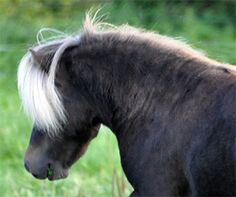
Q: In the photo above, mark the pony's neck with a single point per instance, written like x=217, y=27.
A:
x=127, y=78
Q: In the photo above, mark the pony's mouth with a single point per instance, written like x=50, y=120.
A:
x=55, y=173
x=50, y=172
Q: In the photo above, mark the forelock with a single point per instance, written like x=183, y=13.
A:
x=40, y=98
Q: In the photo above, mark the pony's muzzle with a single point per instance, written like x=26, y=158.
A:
x=50, y=171
x=38, y=171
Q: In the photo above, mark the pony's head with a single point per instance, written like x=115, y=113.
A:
x=64, y=120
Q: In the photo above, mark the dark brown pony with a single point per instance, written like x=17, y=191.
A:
x=172, y=109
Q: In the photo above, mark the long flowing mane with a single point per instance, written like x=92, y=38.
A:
x=40, y=98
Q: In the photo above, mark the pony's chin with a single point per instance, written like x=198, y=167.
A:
x=62, y=174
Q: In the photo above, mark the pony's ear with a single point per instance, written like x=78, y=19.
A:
x=37, y=56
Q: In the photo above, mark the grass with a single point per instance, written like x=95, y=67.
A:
x=98, y=173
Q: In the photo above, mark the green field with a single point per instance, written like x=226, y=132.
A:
x=99, y=172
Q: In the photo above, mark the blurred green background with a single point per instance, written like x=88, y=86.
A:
x=207, y=25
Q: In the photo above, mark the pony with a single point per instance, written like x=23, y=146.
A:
x=171, y=108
